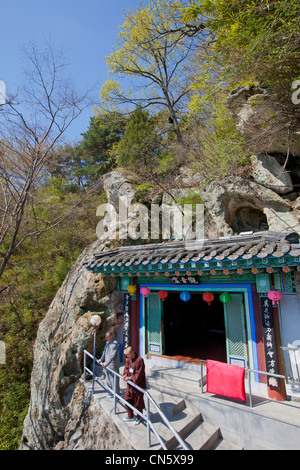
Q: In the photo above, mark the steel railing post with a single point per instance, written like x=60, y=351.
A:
x=148, y=421
x=115, y=391
x=250, y=396
x=94, y=362
x=84, y=367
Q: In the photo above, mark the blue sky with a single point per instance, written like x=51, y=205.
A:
x=86, y=30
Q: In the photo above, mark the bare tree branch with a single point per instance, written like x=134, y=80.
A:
x=32, y=125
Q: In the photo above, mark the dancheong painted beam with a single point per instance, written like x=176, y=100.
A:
x=251, y=253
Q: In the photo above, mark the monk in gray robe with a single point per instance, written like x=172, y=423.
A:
x=110, y=358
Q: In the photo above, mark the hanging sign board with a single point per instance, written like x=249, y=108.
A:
x=184, y=280
x=126, y=319
x=269, y=340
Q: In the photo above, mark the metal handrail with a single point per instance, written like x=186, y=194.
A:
x=292, y=371
x=149, y=399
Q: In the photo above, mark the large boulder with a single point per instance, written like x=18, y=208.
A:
x=267, y=171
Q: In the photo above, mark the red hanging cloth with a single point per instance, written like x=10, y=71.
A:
x=225, y=379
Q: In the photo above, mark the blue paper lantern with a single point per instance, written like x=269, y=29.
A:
x=185, y=296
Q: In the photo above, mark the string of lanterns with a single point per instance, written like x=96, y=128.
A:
x=184, y=296
x=208, y=297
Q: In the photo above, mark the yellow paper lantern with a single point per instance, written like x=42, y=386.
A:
x=131, y=289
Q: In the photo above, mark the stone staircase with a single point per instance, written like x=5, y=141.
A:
x=197, y=433
x=205, y=421
x=190, y=425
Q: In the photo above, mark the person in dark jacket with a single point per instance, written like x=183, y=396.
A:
x=134, y=371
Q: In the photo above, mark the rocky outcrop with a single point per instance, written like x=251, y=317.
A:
x=58, y=353
x=88, y=427
x=267, y=171
x=269, y=125
x=237, y=205
x=118, y=184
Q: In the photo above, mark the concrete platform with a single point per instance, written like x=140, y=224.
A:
x=268, y=425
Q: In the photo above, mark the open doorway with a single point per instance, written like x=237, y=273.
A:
x=194, y=330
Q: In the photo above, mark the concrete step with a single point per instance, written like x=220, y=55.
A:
x=173, y=382
x=186, y=428
x=182, y=418
x=203, y=436
x=172, y=374
x=197, y=434
x=224, y=444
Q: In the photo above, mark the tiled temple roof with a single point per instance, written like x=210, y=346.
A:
x=245, y=246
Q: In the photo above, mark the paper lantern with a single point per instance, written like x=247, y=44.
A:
x=275, y=296
x=225, y=297
x=145, y=291
x=131, y=289
x=185, y=296
x=163, y=294
x=208, y=297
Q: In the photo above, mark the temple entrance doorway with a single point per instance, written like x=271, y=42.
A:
x=194, y=330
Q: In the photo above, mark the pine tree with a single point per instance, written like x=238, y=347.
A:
x=140, y=145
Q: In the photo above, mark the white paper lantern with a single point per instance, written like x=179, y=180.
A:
x=95, y=320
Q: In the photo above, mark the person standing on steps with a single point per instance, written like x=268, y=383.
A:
x=110, y=358
x=134, y=371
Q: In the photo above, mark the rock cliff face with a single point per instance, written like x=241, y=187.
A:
x=58, y=354
x=88, y=427
x=271, y=126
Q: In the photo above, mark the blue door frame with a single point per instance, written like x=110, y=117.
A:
x=234, y=288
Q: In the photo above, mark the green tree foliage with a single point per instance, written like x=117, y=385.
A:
x=31, y=128
x=237, y=42
x=93, y=156
x=139, y=148
x=27, y=288
x=152, y=59
x=214, y=147
x=257, y=40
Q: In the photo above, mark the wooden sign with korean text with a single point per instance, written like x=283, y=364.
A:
x=126, y=319
x=269, y=340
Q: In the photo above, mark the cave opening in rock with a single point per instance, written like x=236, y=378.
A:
x=247, y=219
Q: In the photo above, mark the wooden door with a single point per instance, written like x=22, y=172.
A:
x=236, y=338
x=155, y=324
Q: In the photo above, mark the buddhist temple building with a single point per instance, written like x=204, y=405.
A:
x=230, y=299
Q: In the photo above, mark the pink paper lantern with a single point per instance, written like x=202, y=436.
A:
x=275, y=296
x=145, y=291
